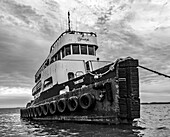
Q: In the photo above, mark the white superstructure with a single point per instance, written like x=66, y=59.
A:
x=73, y=54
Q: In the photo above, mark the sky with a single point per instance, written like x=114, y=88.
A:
x=136, y=28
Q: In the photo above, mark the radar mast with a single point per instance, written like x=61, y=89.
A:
x=69, y=27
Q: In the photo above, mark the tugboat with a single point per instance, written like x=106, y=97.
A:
x=73, y=85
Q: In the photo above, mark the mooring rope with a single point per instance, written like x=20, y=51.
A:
x=96, y=76
x=114, y=65
x=154, y=71
x=111, y=68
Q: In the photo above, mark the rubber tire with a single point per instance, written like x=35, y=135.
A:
x=45, y=109
x=52, y=107
x=86, y=101
x=61, y=105
x=72, y=103
x=39, y=110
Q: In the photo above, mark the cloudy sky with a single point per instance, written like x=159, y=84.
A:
x=136, y=28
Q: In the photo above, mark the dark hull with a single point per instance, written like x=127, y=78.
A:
x=109, y=98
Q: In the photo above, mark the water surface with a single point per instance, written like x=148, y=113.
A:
x=154, y=122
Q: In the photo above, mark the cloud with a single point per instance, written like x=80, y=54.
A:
x=130, y=31
x=154, y=97
x=14, y=91
x=14, y=97
x=12, y=101
x=125, y=28
x=18, y=13
x=24, y=44
x=20, y=57
x=155, y=90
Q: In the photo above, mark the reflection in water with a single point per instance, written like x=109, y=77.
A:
x=74, y=129
x=154, y=122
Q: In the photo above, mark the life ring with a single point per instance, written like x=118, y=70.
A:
x=39, y=111
x=72, y=103
x=86, y=101
x=52, y=107
x=61, y=105
x=45, y=109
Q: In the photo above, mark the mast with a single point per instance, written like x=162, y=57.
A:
x=69, y=28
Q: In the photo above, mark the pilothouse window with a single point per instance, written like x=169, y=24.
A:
x=76, y=49
x=58, y=56
x=63, y=52
x=68, y=50
x=83, y=49
x=91, y=50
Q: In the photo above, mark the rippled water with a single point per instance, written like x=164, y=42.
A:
x=154, y=122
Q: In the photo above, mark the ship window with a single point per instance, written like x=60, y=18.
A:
x=83, y=49
x=76, y=49
x=68, y=50
x=47, y=62
x=47, y=82
x=70, y=75
x=88, y=66
x=58, y=56
x=52, y=60
x=37, y=77
x=91, y=50
x=63, y=52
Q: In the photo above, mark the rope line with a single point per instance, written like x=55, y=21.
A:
x=111, y=68
x=114, y=66
x=154, y=71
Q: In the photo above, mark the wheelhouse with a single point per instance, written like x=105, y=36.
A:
x=71, y=49
x=71, y=45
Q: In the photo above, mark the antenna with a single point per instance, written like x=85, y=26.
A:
x=69, y=28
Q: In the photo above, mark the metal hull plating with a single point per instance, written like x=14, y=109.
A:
x=109, y=95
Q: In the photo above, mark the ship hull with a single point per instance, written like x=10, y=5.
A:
x=109, y=95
